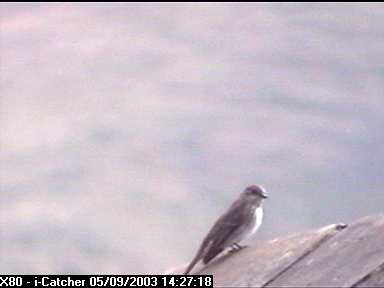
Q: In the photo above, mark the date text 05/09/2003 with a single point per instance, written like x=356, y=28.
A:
x=106, y=280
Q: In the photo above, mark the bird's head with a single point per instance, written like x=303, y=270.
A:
x=256, y=191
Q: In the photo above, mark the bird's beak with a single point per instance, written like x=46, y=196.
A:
x=264, y=195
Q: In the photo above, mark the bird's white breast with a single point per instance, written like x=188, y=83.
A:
x=258, y=219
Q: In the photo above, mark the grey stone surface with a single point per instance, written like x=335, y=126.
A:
x=374, y=279
x=256, y=266
x=334, y=256
x=341, y=261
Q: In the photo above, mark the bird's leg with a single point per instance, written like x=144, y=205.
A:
x=236, y=247
x=233, y=249
x=239, y=247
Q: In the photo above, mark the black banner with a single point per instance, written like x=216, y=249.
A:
x=32, y=281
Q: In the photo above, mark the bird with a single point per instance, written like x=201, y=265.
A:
x=241, y=220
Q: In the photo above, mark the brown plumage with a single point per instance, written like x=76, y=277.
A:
x=232, y=227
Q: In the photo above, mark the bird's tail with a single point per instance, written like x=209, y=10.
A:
x=192, y=264
x=200, y=254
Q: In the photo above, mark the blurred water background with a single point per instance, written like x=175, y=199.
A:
x=126, y=129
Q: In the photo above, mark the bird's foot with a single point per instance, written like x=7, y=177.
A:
x=237, y=247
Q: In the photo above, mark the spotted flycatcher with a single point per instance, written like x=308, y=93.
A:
x=239, y=222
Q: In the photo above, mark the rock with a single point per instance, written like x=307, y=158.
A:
x=336, y=255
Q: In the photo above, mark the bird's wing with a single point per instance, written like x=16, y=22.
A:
x=225, y=228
